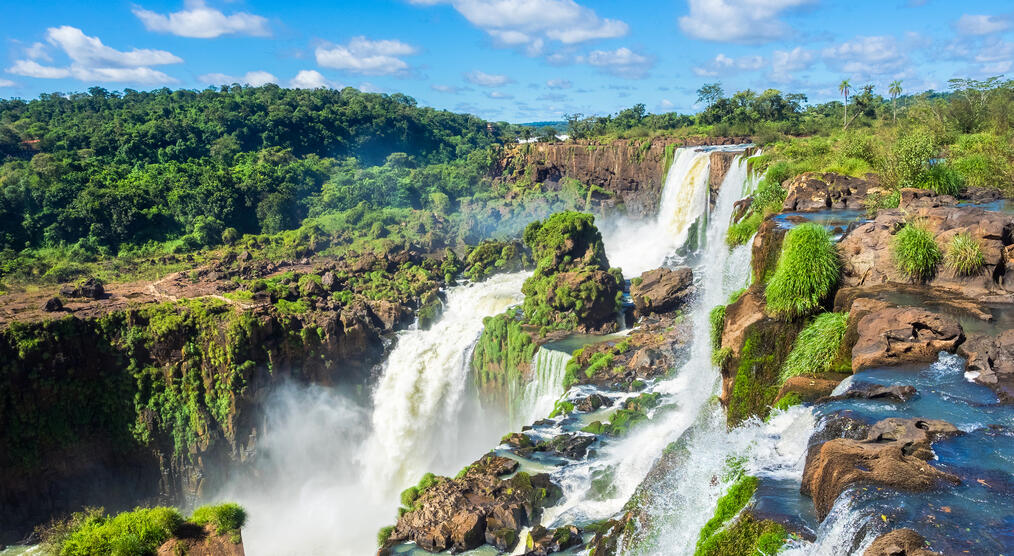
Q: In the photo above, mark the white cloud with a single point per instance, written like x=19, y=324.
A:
x=666, y=104
x=38, y=52
x=368, y=87
x=785, y=62
x=866, y=56
x=252, y=78
x=559, y=84
x=7, y=83
x=198, y=21
x=310, y=79
x=551, y=97
x=499, y=96
x=529, y=23
x=449, y=89
x=723, y=64
x=367, y=57
x=93, y=61
x=484, y=79
x=738, y=21
x=90, y=52
x=621, y=62
x=981, y=24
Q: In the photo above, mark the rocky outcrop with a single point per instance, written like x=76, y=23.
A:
x=807, y=389
x=661, y=290
x=629, y=172
x=766, y=247
x=869, y=391
x=542, y=541
x=897, y=335
x=900, y=542
x=719, y=164
x=894, y=454
x=814, y=191
x=869, y=260
x=479, y=507
x=991, y=362
x=196, y=541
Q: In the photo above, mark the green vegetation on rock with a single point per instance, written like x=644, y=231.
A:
x=807, y=273
x=227, y=519
x=733, y=532
x=964, y=255
x=915, y=252
x=817, y=348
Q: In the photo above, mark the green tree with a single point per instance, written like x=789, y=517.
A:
x=709, y=94
x=895, y=90
x=844, y=87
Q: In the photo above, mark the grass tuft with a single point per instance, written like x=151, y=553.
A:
x=807, y=272
x=816, y=348
x=915, y=252
x=964, y=255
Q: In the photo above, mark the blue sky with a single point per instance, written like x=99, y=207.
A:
x=514, y=60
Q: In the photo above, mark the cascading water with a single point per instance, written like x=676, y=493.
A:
x=329, y=471
x=545, y=387
x=629, y=460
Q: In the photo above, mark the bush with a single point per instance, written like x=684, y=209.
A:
x=941, y=179
x=226, y=518
x=816, y=348
x=807, y=272
x=717, y=318
x=138, y=533
x=384, y=534
x=964, y=255
x=741, y=232
x=915, y=252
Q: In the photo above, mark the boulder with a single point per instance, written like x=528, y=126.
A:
x=330, y=281
x=897, y=335
x=590, y=295
x=387, y=314
x=900, y=542
x=870, y=391
x=542, y=541
x=991, y=362
x=52, y=305
x=894, y=455
x=808, y=389
x=592, y=403
x=571, y=446
x=814, y=191
x=662, y=290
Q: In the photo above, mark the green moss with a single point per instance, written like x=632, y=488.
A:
x=227, y=518
x=964, y=255
x=915, y=252
x=720, y=357
x=787, y=401
x=729, y=505
x=503, y=352
x=384, y=534
x=717, y=319
x=725, y=534
x=741, y=232
x=807, y=273
x=297, y=307
x=817, y=347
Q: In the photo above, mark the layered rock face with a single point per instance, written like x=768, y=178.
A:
x=662, y=290
x=632, y=172
x=814, y=192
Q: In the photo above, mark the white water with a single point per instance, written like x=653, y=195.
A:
x=632, y=457
x=636, y=246
x=541, y=392
x=329, y=470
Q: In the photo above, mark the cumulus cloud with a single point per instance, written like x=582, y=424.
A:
x=497, y=95
x=253, y=78
x=199, y=21
x=785, y=62
x=621, y=62
x=310, y=79
x=484, y=79
x=722, y=64
x=738, y=21
x=559, y=84
x=7, y=83
x=866, y=56
x=981, y=24
x=449, y=89
x=38, y=52
x=530, y=23
x=365, y=56
x=91, y=60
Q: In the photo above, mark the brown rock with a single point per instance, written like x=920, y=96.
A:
x=869, y=391
x=894, y=455
x=900, y=542
x=330, y=281
x=808, y=389
x=766, y=248
x=52, y=305
x=662, y=290
x=813, y=191
x=91, y=288
x=991, y=362
x=719, y=164
x=196, y=541
x=896, y=335
x=542, y=541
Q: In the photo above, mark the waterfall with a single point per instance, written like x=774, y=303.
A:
x=637, y=246
x=542, y=391
x=328, y=470
x=418, y=420
x=630, y=459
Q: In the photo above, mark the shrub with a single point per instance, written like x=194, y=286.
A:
x=941, y=179
x=741, y=232
x=807, y=272
x=138, y=532
x=816, y=348
x=226, y=518
x=964, y=255
x=717, y=318
x=384, y=534
x=915, y=252
x=876, y=201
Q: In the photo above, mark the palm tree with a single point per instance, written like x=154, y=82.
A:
x=895, y=90
x=844, y=89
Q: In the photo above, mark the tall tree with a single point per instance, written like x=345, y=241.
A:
x=709, y=93
x=844, y=89
x=895, y=90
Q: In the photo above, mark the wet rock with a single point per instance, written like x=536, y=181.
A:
x=981, y=195
x=894, y=454
x=719, y=164
x=387, y=314
x=52, y=305
x=808, y=389
x=592, y=403
x=463, y=513
x=900, y=542
x=662, y=290
x=870, y=391
x=766, y=247
x=991, y=362
x=896, y=335
x=814, y=191
x=542, y=541
x=571, y=446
